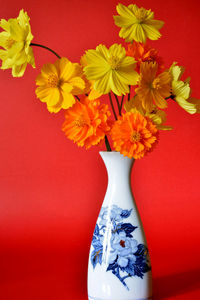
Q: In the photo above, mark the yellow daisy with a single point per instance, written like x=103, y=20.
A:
x=110, y=69
x=137, y=24
x=58, y=83
x=181, y=91
x=16, y=39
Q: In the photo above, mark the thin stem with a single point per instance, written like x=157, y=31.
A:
x=111, y=103
x=129, y=95
x=107, y=144
x=38, y=45
x=117, y=100
x=77, y=97
x=121, y=104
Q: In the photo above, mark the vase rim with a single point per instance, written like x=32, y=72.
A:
x=116, y=153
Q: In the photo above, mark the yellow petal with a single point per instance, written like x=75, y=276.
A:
x=189, y=107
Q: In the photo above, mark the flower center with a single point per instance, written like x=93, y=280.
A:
x=135, y=136
x=9, y=43
x=122, y=243
x=156, y=83
x=114, y=62
x=141, y=14
x=80, y=122
x=53, y=81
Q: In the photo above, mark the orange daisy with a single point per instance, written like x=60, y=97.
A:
x=152, y=87
x=142, y=52
x=86, y=123
x=134, y=135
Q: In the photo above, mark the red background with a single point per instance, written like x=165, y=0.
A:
x=51, y=190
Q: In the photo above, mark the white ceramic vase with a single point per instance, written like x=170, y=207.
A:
x=119, y=265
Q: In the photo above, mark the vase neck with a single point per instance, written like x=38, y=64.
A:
x=118, y=167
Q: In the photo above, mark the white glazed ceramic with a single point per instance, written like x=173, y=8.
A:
x=119, y=265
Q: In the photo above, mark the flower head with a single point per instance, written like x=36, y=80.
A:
x=58, y=83
x=152, y=87
x=110, y=69
x=16, y=39
x=86, y=123
x=137, y=24
x=141, y=53
x=134, y=135
x=181, y=90
x=123, y=249
x=157, y=116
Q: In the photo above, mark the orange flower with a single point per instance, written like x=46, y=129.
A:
x=142, y=52
x=152, y=87
x=134, y=135
x=86, y=123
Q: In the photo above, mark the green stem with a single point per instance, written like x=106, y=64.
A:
x=117, y=103
x=111, y=103
x=38, y=45
x=129, y=95
x=107, y=144
x=121, y=104
x=77, y=97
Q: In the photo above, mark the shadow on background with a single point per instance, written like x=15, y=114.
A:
x=175, y=284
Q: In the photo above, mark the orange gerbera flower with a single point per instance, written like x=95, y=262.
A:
x=134, y=135
x=152, y=87
x=141, y=52
x=86, y=123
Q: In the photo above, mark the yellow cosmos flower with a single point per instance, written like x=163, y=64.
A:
x=181, y=91
x=58, y=83
x=16, y=39
x=157, y=116
x=92, y=93
x=137, y=24
x=110, y=69
x=153, y=88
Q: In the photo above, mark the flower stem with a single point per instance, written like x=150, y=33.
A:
x=129, y=94
x=107, y=144
x=38, y=45
x=77, y=97
x=117, y=103
x=111, y=103
x=121, y=104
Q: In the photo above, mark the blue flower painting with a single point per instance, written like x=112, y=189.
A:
x=113, y=244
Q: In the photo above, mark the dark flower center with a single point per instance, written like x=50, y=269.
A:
x=122, y=243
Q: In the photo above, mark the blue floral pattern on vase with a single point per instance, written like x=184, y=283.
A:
x=115, y=246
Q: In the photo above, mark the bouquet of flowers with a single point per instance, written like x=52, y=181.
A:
x=133, y=76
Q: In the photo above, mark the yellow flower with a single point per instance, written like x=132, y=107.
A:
x=16, y=39
x=157, y=116
x=137, y=23
x=110, y=69
x=181, y=91
x=92, y=93
x=58, y=83
x=153, y=88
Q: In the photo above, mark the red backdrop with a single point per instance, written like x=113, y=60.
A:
x=51, y=190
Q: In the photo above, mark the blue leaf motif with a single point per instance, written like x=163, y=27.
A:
x=129, y=268
x=96, y=230
x=96, y=257
x=97, y=244
x=125, y=213
x=128, y=228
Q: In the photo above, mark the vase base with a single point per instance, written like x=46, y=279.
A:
x=93, y=298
